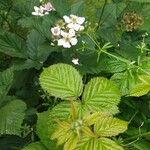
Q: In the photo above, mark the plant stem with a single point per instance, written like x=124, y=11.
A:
x=109, y=54
x=116, y=57
x=137, y=136
x=101, y=15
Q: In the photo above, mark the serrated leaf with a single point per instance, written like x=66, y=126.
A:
x=60, y=112
x=125, y=81
x=25, y=7
x=142, y=145
x=11, y=117
x=92, y=119
x=101, y=94
x=27, y=64
x=71, y=143
x=141, y=1
x=107, y=144
x=141, y=88
x=145, y=64
x=63, y=132
x=12, y=45
x=78, y=8
x=38, y=49
x=42, y=131
x=62, y=80
x=114, y=66
x=87, y=143
x=35, y=146
x=108, y=126
x=6, y=80
x=66, y=6
x=98, y=144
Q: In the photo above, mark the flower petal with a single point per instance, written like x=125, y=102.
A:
x=74, y=17
x=80, y=20
x=67, y=19
x=36, y=8
x=71, y=32
x=60, y=42
x=35, y=13
x=81, y=28
x=46, y=13
x=73, y=41
x=76, y=27
x=41, y=9
x=66, y=45
x=55, y=31
x=64, y=34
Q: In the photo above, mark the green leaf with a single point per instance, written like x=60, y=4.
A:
x=38, y=49
x=77, y=8
x=145, y=64
x=107, y=126
x=111, y=13
x=6, y=80
x=141, y=88
x=61, y=112
x=42, y=131
x=141, y=1
x=91, y=7
x=107, y=144
x=98, y=144
x=142, y=145
x=35, y=146
x=62, y=80
x=71, y=143
x=101, y=94
x=114, y=66
x=27, y=64
x=11, y=117
x=125, y=81
x=12, y=45
x=66, y=6
x=25, y=7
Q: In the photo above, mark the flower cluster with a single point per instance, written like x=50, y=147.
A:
x=66, y=31
x=43, y=9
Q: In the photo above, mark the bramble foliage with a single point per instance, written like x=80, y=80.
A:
x=75, y=74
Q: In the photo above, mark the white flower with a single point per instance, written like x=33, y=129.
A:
x=75, y=61
x=56, y=31
x=74, y=22
x=48, y=7
x=38, y=11
x=43, y=10
x=68, y=39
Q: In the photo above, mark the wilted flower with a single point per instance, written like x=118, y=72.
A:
x=68, y=39
x=75, y=61
x=132, y=21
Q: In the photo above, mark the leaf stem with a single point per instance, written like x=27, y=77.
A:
x=116, y=57
x=101, y=15
x=137, y=136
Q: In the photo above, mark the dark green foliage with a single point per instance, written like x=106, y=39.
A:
x=113, y=45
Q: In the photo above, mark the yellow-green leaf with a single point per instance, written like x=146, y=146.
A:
x=101, y=94
x=62, y=80
x=108, y=126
